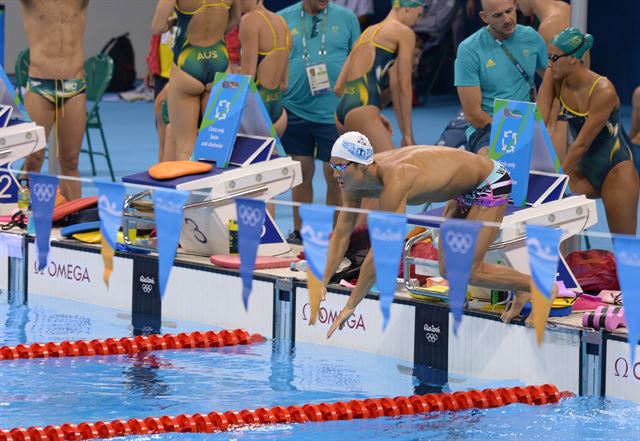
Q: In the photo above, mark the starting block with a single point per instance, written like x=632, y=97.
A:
x=519, y=141
x=237, y=138
x=19, y=137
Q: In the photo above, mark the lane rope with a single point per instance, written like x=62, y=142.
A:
x=354, y=409
x=131, y=345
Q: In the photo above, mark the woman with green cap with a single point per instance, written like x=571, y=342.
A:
x=600, y=160
x=366, y=73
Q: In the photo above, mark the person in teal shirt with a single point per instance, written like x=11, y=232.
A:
x=322, y=34
x=485, y=71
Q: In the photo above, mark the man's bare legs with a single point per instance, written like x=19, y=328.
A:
x=71, y=125
x=43, y=114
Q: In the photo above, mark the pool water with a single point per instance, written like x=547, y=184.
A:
x=61, y=390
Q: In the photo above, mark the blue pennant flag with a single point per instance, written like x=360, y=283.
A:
x=317, y=224
x=110, y=202
x=628, y=262
x=542, y=244
x=167, y=205
x=458, y=238
x=251, y=214
x=43, y=198
x=387, y=232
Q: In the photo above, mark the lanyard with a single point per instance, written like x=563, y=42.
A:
x=514, y=61
x=305, y=50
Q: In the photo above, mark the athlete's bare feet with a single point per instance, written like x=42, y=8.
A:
x=520, y=299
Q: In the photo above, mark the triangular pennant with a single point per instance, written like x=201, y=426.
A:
x=251, y=216
x=387, y=232
x=458, y=238
x=542, y=244
x=167, y=206
x=317, y=224
x=628, y=264
x=110, y=204
x=43, y=197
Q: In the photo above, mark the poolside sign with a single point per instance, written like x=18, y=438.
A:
x=234, y=107
x=8, y=99
x=520, y=142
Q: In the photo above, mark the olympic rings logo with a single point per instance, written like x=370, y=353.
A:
x=43, y=192
x=431, y=337
x=459, y=243
x=250, y=216
x=146, y=288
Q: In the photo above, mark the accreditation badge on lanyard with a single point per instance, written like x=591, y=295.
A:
x=317, y=74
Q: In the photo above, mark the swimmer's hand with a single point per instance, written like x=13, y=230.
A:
x=344, y=315
x=386, y=122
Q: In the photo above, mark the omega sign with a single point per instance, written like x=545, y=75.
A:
x=328, y=316
x=432, y=333
x=622, y=368
x=67, y=271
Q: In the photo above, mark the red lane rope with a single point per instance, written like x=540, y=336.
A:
x=130, y=345
x=222, y=421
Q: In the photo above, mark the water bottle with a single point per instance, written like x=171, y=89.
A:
x=24, y=204
x=233, y=236
x=300, y=265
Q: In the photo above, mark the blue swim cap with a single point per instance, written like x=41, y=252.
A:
x=573, y=42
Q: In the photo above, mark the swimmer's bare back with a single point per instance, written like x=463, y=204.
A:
x=209, y=23
x=55, y=31
x=432, y=173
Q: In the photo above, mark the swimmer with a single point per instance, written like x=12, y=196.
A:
x=56, y=88
x=476, y=187
x=265, y=42
x=381, y=47
x=600, y=161
x=199, y=53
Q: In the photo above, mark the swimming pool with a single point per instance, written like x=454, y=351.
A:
x=62, y=390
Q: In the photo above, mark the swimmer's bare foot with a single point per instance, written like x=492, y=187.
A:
x=520, y=299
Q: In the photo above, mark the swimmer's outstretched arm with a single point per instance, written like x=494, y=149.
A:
x=341, y=235
x=393, y=198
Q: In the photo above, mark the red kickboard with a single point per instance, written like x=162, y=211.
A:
x=67, y=208
x=232, y=261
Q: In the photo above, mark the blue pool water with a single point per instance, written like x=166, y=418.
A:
x=59, y=390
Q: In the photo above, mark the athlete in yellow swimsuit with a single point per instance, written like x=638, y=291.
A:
x=265, y=42
x=601, y=162
x=365, y=74
x=198, y=54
